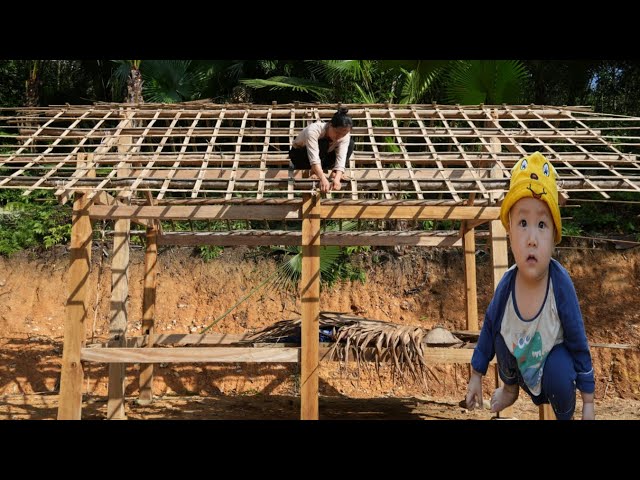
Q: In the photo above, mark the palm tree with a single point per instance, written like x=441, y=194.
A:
x=471, y=82
x=32, y=84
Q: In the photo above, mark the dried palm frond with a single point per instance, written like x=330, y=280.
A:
x=369, y=343
x=383, y=342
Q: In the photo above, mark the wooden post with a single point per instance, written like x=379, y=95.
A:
x=471, y=293
x=119, y=295
x=310, y=297
x=70, y=400
x=148, y=312
x=546, y=412
x=500, y=260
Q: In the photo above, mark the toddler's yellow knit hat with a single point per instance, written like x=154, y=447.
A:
x=533, y=176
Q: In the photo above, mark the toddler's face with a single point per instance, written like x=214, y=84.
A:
x=531, y=230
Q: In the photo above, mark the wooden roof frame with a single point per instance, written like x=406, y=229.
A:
x=201, y=161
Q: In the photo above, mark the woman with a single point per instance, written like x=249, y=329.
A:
x=325, y=146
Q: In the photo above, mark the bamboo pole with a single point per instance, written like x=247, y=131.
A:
x=471, y=292
x=119, y=295
x=148, y=312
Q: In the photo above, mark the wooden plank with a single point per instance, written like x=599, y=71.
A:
x=310, y=299
x=344, y=239
x=181, y=339
x=77, y=309
x=148, y=312
x=191, y=355
x=275, y=354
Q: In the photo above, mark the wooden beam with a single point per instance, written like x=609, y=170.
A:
x=291, y=212
x=200, y=212
x=104, y=198
x=191, y=355
x=310, y=298
x=343, y=239
x=70, y=406
x=148, y=312
x=409, y=212
x=261, y=354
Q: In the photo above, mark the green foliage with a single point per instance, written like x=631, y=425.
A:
x=27, y=224
x=571, y=230
x=597, y=218
x=210, y=252
x=440, y=225
x=428, y=225
x=315, y=88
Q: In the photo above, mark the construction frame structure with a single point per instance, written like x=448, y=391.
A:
x=206, y=163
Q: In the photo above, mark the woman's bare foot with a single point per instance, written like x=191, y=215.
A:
x=504, y=397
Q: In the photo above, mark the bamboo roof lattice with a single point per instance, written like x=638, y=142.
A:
x=206, y=153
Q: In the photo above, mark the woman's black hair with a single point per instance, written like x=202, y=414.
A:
x=340, y=119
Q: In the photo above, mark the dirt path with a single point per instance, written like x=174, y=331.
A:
x=281, y=407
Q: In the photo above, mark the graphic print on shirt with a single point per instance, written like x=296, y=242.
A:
x=528, y=353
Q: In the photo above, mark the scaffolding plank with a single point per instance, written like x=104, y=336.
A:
x=176, y=165
x=43, y=154
x=571, y=167
x=433, y=151
x=73, y=152
x=407, y=161
x=207, y=154
x=374, y=147
x=263, y=161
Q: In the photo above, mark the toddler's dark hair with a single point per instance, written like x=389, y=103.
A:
x=341, y=119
